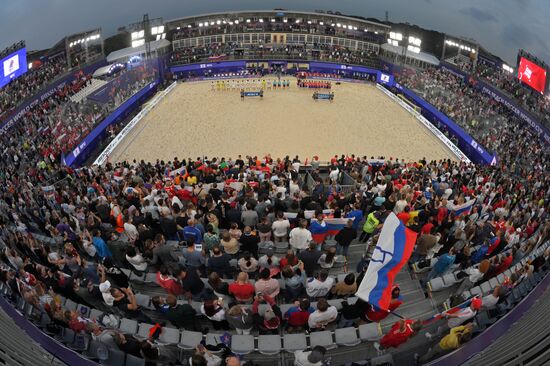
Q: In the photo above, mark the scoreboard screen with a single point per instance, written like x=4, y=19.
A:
x=13, y=66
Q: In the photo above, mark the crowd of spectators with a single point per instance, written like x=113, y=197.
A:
x=532, y=100
x=520, y=150
x=152, y=217
x=322, y=52
x=56, y=125
x=223, y=219
x=30, y=83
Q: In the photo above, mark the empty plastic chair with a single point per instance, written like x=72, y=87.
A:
x=486, y=287
x=476, y=291
x=95, y=349
x=144, y=301
x=134, y=361
x=68, y=336
x=95, y=314
x=242, y=344
x=294, y=342
x=169, y=336
x=115, y=358
x=143, y=330
x=269, y=344
x=189, y=340
x=70, y=305
x=128, y=326
x=436, y=284
x=81, y=342
x=370, y=332
x=323, y=338
x=346, y=336
x=449, y=280
x=384, y=360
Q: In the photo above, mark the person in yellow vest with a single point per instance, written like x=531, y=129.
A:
x=264, y=84
x=457, y=337
x=373, y=222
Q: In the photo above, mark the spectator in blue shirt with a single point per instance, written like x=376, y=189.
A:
x=100, y=245
x=357, y=216
x=191, y=231
x=442, y=265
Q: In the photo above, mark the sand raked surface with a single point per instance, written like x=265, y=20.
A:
x=195, y=121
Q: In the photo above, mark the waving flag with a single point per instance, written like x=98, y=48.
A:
x=335, y=225
x=453, y=310
x=393, y=250
x=463, y=208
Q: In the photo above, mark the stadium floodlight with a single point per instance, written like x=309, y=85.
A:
x=237, y=21
x=415, y=41
x=30, y=65
x=212, y=23
x=345, y=26
x=332, y=24
x=218, y=22
x=248, y=20
x=230, y=22
x=396, y=36
x=321, y=23
x=178, y=28
x=272, y=20
x=309, y=22
x=508, y=68
x=137, y=43
x=297, y=21
x=200, y=25
x=338, y=25
x=261, y=20
x=285, y=20
x=413, y=49
x=354, y=28
x=376, y=32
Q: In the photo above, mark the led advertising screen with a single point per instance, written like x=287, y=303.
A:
x=13, y=66
x=532, y=74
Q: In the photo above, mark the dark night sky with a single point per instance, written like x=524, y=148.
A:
x=501, y=26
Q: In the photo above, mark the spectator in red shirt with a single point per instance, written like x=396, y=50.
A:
x=399, y=333
x=405, y=215
x=298, y=315
x=427, y=228
x=377, y=315
x=242, y=289
x=167, y=282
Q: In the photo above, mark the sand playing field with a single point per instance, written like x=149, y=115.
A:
x=194, y=120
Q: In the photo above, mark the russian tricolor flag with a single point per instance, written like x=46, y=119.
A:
x=463, y=208
x=335, y=225
x=393, y=250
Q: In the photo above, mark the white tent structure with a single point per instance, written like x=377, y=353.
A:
x=125, y=54
x=421, y=60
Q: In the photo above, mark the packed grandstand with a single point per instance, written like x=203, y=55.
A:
x=271, y=260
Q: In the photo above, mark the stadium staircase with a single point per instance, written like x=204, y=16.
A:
x=95, y=85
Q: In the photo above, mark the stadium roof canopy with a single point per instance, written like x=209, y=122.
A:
x=128, y=52
x=422, y=56
x=302, y=16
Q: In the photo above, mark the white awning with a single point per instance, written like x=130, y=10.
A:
x=101, y=71
x=128, y=52
x=422, y=56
